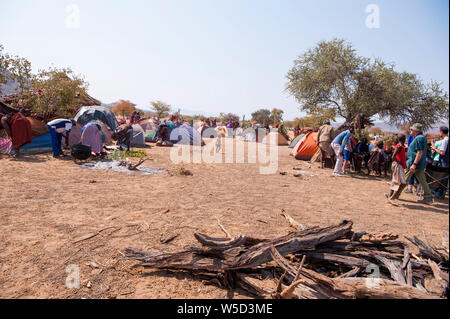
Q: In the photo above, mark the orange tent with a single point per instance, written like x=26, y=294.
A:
x=306, y=147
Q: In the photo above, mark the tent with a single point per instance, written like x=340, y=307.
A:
x=184, y=134
x=150, y=137
x=138, y=139
x=295, y=140
x=41, y=144
x=277, y=137
x=306, y=147
x=147, y=125
x=92, y=113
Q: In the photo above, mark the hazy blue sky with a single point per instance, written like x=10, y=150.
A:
x=213, y=56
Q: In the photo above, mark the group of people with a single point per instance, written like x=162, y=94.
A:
x=408, y=162
x=92, y=135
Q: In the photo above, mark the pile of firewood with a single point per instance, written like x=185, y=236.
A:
x=312, y=262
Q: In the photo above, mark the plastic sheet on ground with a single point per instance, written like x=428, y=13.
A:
x=115, y=166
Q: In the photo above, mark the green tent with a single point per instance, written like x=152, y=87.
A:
x=150, y=136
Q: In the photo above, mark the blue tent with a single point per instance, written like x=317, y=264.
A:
x=41, y=144
x=185, y=135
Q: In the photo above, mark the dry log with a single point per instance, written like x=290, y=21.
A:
x=427, y=251
x=407, y=268
x=351, y=273
x=344, y=288
x=395, y=269
x=233, y=258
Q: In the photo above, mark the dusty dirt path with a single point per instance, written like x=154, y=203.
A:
x=48, y=204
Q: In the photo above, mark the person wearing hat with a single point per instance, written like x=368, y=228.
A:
x=416, y=161
x=324, y=139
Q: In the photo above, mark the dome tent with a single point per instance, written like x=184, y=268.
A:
x=88, y=114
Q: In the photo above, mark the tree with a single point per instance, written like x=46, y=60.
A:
x=55, y=92
x=276, y=116
x=124, y=108
x=160, y=108
x=332, y=76
x=262, y=116
x=16, y=70
x=230, y=117
x=315, y=119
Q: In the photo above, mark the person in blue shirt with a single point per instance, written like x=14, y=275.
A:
x=338, y=146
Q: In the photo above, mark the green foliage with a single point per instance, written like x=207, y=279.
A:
x=16, y=69
x=363, y=133
x=55, y=92
x=230, y=117
x=332, y=76
x=389, y=139
x=316, y=119
x=160, y=108
x=276, y=116
x=262, y=116
x=118, y=155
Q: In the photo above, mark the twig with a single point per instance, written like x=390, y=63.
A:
x=94, y=235
x=223, y=229
x=292, y=221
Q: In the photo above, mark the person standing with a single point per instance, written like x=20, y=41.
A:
x=296, y=131
x=59, y=128
x=338, y=146
x=324, y=139
x=398, y=165
x=416, y=159
x=443, y=152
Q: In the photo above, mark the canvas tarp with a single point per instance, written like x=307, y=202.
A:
x=275, y=137
x=184, y=134
x=150, y=137
x=88, y=114
x=41, y=144
x=295, y=140
x=138, y=139
x=306, y=147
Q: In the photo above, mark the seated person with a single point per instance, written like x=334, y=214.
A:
x=376, y=160
x=123, y=134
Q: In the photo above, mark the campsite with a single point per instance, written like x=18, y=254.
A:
x=224, y=151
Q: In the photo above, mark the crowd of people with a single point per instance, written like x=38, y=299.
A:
x=406, y=161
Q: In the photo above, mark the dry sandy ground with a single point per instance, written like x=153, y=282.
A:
x=47, y=205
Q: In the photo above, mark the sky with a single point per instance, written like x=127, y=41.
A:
x=216, y=55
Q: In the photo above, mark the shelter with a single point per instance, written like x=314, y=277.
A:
x=147, y=125
x=40, y=144
x=295, y=140
x=138, y=139
x=306, y=147
x=277, y=137
x=150, y=137
x=184, y=134
x=88, y=114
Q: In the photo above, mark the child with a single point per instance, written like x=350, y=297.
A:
x=398, y=165
x=347, y=154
